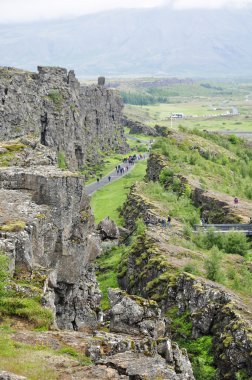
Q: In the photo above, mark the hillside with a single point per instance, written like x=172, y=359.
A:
x=156, y=42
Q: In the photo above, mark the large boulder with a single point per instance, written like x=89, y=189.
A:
x=108, y=230
x=135, y=315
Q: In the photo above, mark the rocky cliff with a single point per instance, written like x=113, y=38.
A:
x=47, y=226
x=210, y=309
x=80, y=122
x=154, y=268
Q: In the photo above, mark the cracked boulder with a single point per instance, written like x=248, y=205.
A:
x=141, y=367
x=108, y=230
x=135, y=315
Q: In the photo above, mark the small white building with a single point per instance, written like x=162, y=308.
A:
x=177, y=115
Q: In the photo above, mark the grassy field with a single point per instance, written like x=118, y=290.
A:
x=200, y=102
x=160, y=114
x=107, y=200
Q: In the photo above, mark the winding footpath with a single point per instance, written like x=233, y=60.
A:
x=90, y=189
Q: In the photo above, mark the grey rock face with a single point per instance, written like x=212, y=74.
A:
x=140, y=366
x=135, y=315
x=212, y=309
x=101, y=81
x=77, y=121
x=139, y=128
x=55, y=238
x=108, y=229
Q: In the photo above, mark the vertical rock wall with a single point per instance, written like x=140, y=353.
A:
x=57, y=239
x=81, y=122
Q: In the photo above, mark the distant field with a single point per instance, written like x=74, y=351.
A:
x=201, y=102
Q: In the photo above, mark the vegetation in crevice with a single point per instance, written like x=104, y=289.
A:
x=22, y=298
x=62, y=160
x=200, y=350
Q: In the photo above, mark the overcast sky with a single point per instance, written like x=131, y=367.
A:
x=32, y=10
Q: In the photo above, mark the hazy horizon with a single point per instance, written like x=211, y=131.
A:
x=28, y=11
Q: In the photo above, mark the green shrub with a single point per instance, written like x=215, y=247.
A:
x=234, y=139
x=201, y=355
x=212, y=264
x=235, y=242
x=165, y=174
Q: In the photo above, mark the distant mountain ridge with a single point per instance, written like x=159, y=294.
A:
x=136, y=42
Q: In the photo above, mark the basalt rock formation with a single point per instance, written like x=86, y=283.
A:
x=139, y=128
x=46, y=225
x=51, y=231
x=153, y=268
x=81, y=122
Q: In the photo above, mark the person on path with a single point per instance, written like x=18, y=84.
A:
x=109, y=178
x=169, y=221
x=97, y=179
x=236, y=201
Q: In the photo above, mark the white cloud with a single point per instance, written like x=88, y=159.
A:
x=30, y=10
x=214, y=4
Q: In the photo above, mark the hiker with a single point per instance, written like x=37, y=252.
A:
x=127, y=168
x=236, y=201
x=163, y=222
x=116, y=168
x=109, y=178
x=202, y=221
x=97, y=179
x=169, y=221
x=250, y=220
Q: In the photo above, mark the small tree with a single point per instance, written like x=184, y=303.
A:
x=236, y=242
x=212, y=264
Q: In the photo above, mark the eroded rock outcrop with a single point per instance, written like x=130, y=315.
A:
x=139, y=128
x=134, y=315
x=46, y=225
x=77, y=121
x=213, y=310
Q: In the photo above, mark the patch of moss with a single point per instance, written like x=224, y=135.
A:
x=13, y=226
x=227, y=340
x=14, y=147
x=40, y=216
